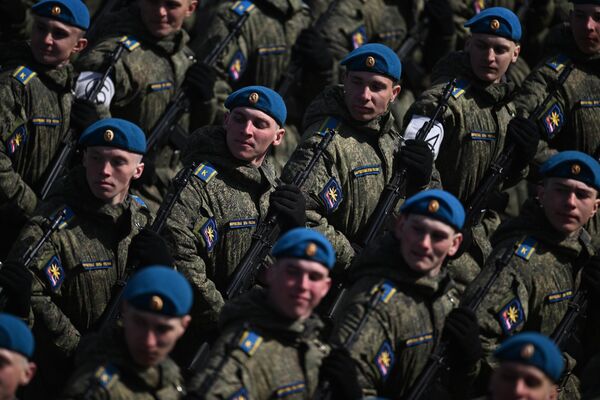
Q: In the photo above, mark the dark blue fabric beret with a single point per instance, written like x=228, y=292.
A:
x=573, y=165
x=15, y=335
x=114, y=132
x=376, y=58
x=307, y=244
x=259, y=97
x=436, y=204
x=71, y=12
x=497, y=21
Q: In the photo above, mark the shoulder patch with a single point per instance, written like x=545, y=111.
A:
x=23, y=74
x=388, y=290
x=16, y=139
x=558, y=62
x=250, y=342
x=286, y=390
x=526, y=248
x=241, y=394
x=94, y=265
x=209, y=234
x=358, y=37
x=205, y=172
x=552, y=120
x=55, y=273
x=243, y=6
x=384, y=359
x=237, y=66
x=460, y=88
x=106, y=375
x=138, y=200
x=419, y=339
x=330, y=124
x=557, y=297
x=242, y=223
x=511, y=316
x=331, y=195
x=365, y=170
x=129, y=43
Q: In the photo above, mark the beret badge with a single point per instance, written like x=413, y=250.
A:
x=370, y=62
x=495, y=24
x=55, y=10
x=311, y=249
x=433, y=206
x=253, y=98
x=109, y=135
x=575, y=169
x=156, y=303
x=527, y=351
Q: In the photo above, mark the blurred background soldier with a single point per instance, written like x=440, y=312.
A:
x=16, y=351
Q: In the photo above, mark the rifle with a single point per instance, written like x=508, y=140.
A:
x=416, y=36
x=438, y=359
x=112, y=311
x=267, y=232
x=167, y=122
x=70, y=142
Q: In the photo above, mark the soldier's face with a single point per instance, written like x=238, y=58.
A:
x=15, y=371
x=491, y=56
x=296, y=286
x=585, y=25
x=109, y=172
x=151, y=337
x=568, y=204
x=521, y=382
x=164, y=17
x=53, y=43
x=425, y=242
x=250, y=133
x=368, y=95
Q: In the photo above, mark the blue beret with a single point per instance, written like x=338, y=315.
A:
x=436, y=204
x=71, y=12
x=497, y=21
x=534, y=349
x=15, y=335
x=307, y=244
x=374, y=57
x=114, y=132
x=160, y=290
x=573, y=165
x=259, y=97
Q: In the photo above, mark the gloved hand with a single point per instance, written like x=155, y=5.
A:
x=440, y=13
x=462, y=331
x=148, y=248
x=289, y=202
x=311, y=51
x=339, y=369
x=83, y=114
x=16, y=280
x=590, y=278
x=200, y=81
x=417, y=158
x=524, y=134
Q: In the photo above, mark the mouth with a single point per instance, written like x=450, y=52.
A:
x=362, y=109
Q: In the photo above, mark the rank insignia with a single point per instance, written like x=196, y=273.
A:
x=129, y=43
x=330, y=124
x=358, y=38
x=237, y=65
x=384, y=359
x=138, y=200
x=552, y=120
x=511, y=315
x=46, y=121
x=106, y=375
x=526, y=248
x=250, y=342
x=558, y=63
x=241, y=394
x=209, y=234
x=241, y=7
x=286, y=390
x=205, y=172
x=331, y=195
x=367, y=170
x=160, y=86
x=459, y=89
x=271, y=50
x=388, y=290
x=419, y=339
x=485, y=136
x=559, y=296
x=23, y=74
x=16, y=140
x=589, y=103
x=242, y=223
x=55, y=273
x=93, y=265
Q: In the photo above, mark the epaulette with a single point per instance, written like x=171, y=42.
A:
x=460, y=88
x=250, y=342
x=526, y=248
x=330, y=123
x=68, y=216
x=243, y=6
x=205, y=172
x=138, y=200
x=558, y=62
x=388, y=290
x=129, y=43
x=23, y=74
x=105, y=376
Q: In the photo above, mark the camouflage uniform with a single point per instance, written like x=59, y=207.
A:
x=261, y=354
x=399, y=335
x=108, y=372
x=35, y=105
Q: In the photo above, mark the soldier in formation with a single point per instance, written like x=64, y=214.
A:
x=16, y=350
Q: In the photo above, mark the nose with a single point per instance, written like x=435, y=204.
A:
x=150, y=338
x=425, y=241
x=520, y=388
x=48, y=39
x=248, y=128
x=106, y=169
x=571, y=199
x=162, y=11
x=491, y=56
x=590, y=25
x=303, y=282
x=365, y=94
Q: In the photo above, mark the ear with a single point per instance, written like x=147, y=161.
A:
x=516, y=53
x=540, y=192
x=185, y=321
x=191, y=8
x=138, y=170
x=399, y=225
x=279, y=134
x=595, y=209
x=80, y=45
x=28, y=373
x=456, y=241
x=396, y=89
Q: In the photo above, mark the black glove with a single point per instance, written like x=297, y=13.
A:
x=417, y=158
x=200, y=81
x=148, y=248
x=590, y=278
x=15, y=279
x=524, y=134
x=440, y=13
x=83, y=114
x=311, y=51
x=339, y=369
x=462, y=332
x=289, y=202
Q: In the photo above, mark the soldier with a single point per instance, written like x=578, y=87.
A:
x=347, y=182
x=16, y=350
x=407, y=270
x=270, y=346
x=35, y=103
x=132, y=361
x=549, y=247
x=76, y=268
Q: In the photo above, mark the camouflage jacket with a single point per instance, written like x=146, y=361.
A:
x=109, y=372
x=211, y=225
x=403, y=326
x=262, y=355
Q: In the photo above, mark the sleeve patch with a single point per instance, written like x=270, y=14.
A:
x=46, y=121
x=558, y=63
x=16, y=140
x=552, y=120
x=160, y=86
x=483, y=136
x=241, y=394
x=367, y=170
x=330, y=124
x=106, y=375
x=419, y=339
x=358, y=37
x=271, y=50
x=243, y=6
x=250, y=342
x=93, y=265
x=384, y=360
x=460, y=88
x=331, y=195
x=237, y=66
x=129, y=43
x=511, y=316
x=205, y=172
x=526, y=248
x=138, y=200
x=55, y=273
x=23, y=74
x=559, y=296
x=286, y=390
x=209, y=234
x=242, y=223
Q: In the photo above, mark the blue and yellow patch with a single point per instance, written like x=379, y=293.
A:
x=558, y=63
x=511, y=316
x=16, y=140
x=205, y=172
x=286, y=390
x=384, y=360
x=460, y=88
x=138, y=200
x=129, y=43
x=358, y=37
x=46, y=121
x=99, y=264
x=331, y=195
x=419, y=339
x=271, y=50
x=250, y=342
x=552, y=120
x=388, y=290
x=241, y=7
x=589, y=103
x=237, y=66
x=242, y=223
x=485, y=136
x=241, y=394
x=67, y=217
x=330, y=124
x=106, y=375
x=478, y=6
x=23, y=74
x=367, y=170
x=55, y=273
x=557, y=297
x=209, y=234
x=526, y=248
x=160, y=86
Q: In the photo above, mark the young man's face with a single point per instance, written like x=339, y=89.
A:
x=15, y=371
x=585, y=25
x=515, y=381
x=165, y=17
x=425, y=242
x=109, y=172
x=296, y=286
x=568, y=204
x=53, y=42
x=491, y=55
x=250, y=133
x=151, y=337
x=368, y=95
